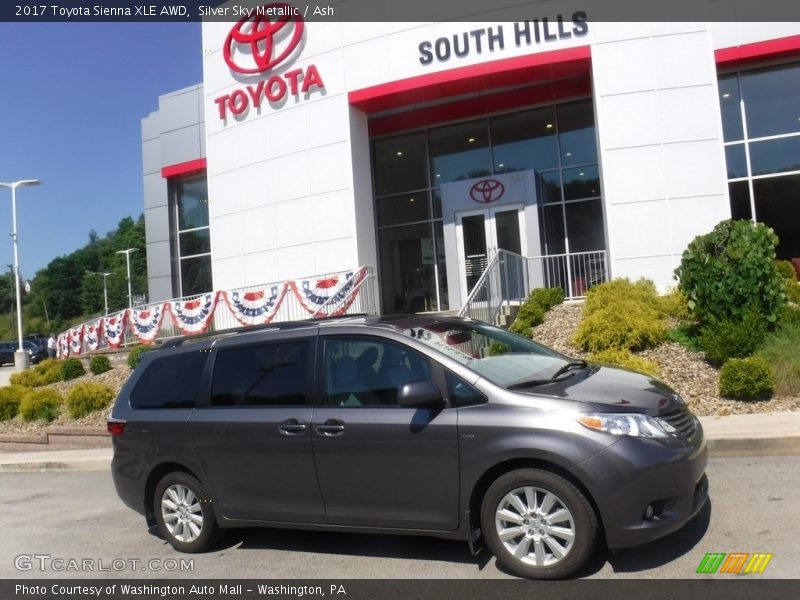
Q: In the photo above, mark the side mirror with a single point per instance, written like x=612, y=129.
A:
x=420, y=394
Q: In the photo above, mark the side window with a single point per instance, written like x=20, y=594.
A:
x=170, y=381
x=460, y=393
x=264, y=375
x=369, y=372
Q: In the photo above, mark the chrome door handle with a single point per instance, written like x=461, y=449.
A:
x=292, y=427
x=330, y=428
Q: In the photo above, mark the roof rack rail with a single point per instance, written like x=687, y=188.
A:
x=180, y=340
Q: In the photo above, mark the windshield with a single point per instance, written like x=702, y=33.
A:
x=500, y=356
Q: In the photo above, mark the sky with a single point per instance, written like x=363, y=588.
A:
x=72, y=96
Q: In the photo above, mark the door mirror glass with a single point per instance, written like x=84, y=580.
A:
x=420, y=394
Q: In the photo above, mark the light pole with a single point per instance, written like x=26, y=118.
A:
x=105, y=288
x=127, y=253
x=20, y=356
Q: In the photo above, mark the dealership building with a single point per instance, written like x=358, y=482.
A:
x=422, y=149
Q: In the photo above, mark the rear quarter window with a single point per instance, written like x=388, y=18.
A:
x=170, y=381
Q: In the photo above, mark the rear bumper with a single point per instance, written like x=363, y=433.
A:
x=636, y=473
x=127, y=479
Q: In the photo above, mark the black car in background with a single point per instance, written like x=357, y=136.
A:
x=36, y=353
x=418, y=425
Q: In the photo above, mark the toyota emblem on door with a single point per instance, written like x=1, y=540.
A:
x=259, y=38
x=487, y=191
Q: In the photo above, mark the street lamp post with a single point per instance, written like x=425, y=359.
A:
x=127, y=253
x=105, y=288
x=20, y=356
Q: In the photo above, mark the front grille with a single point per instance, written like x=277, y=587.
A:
x=683, y=421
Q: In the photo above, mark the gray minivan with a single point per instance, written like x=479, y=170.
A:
x=423, y=425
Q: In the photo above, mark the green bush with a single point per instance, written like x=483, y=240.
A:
x=28, y=378
x=623, y=325
x=675, y=305
x=46, y=365
x=723, y=339
x=530, y=315
x=746, y=378
x=622, y=290
x=780, y=350
x=547, y=298
x=10, y=397
x=792, y=291
x=730, y=271
x=686, y=335
x=624, y=358
x=498, y=348
x=86, y=398
x=786, y=270
x=135, y=355
x=40, y=405
x=72, y=368
x=52, y=375
x=99, y=364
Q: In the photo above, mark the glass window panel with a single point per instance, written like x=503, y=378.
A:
x=739, y=192
x=553, y=229
x=196, y=275
x=777, y=206
x=394, y=210
x=263, y=375
x=775, y=156
x=581, y=182
x=729, y=106
x=460, y=393
x=400, y=163
x=369, y=372
x=195, y=242
x=437, y=204
x=192, y=199
x=407, y=268
x=170, y=381
x=736, y=161
x=460, y=152
x=550, y=187
x=585, y=226
x=772, y=101
x=507, y=230
x=576, y=133
x=525, y=140
x=441, y=265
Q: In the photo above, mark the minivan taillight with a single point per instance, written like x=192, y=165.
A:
x=115, y=427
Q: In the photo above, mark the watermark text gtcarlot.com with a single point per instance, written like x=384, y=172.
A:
x=57, y=564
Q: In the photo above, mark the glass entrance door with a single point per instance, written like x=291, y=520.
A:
x=480, y=233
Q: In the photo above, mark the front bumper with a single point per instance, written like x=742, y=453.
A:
x=635, y=473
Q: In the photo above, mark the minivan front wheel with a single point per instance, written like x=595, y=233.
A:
x=184, y=513
x=538, y=524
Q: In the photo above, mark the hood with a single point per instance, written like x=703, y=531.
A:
x=614, y=389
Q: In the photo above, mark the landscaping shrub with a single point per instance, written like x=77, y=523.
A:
x=52, y=375
x=532, y=311
x=620, y=290
x=624, y=325
x=40, y=405
x=746, y=378
x=723, y=339
x=29, y=378
x=730, y=271
x=628, y=360
x=675, y=305
x=686, y=335
x=781, y=351
x=99, y=364
x=786, y=270
x=10, y=397
x=72, y=368
x=86, y=398
x=135, y=355
x=47, y=364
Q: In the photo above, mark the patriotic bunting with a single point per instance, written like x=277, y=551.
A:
x=62, y=345
x=194, y=316
x=256, y=307
x=146, y=323
x=114, y=329
x=328, y=296
x=75, y=340
x=92, y=336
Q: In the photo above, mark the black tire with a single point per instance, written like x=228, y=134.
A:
x=193, y=541
x=538, y=530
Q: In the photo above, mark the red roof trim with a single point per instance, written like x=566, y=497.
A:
x=189, y=167
x=758, y=51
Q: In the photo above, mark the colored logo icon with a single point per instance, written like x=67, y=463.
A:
x=487, y=191
x=738, y=563
x=256, y=44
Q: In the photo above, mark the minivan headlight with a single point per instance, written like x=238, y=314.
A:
x=634, y=424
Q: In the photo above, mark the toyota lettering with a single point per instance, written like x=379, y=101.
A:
x=257, y=45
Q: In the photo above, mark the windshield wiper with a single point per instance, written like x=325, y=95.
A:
x=556, y=377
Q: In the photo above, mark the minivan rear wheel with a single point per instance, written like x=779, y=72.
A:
x=184, y=513
x=538, y=524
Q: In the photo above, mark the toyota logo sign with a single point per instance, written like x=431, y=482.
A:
x=257, y=37
x=487, y=191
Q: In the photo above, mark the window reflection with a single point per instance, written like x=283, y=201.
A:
x=193, y=241
x=772, y=101
x=525, y=140
x=576, y=133
x=400, y=163
x=460, y=152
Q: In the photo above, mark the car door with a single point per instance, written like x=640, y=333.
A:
x=253, y=436
x=380, y=464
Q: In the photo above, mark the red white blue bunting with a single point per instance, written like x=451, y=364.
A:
x=146, y=323
x=194, y=316
x=256, y=307
x=330, y=296
x=114, y=329
x=76, y=340
x=91, y=336
x=62, y=345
